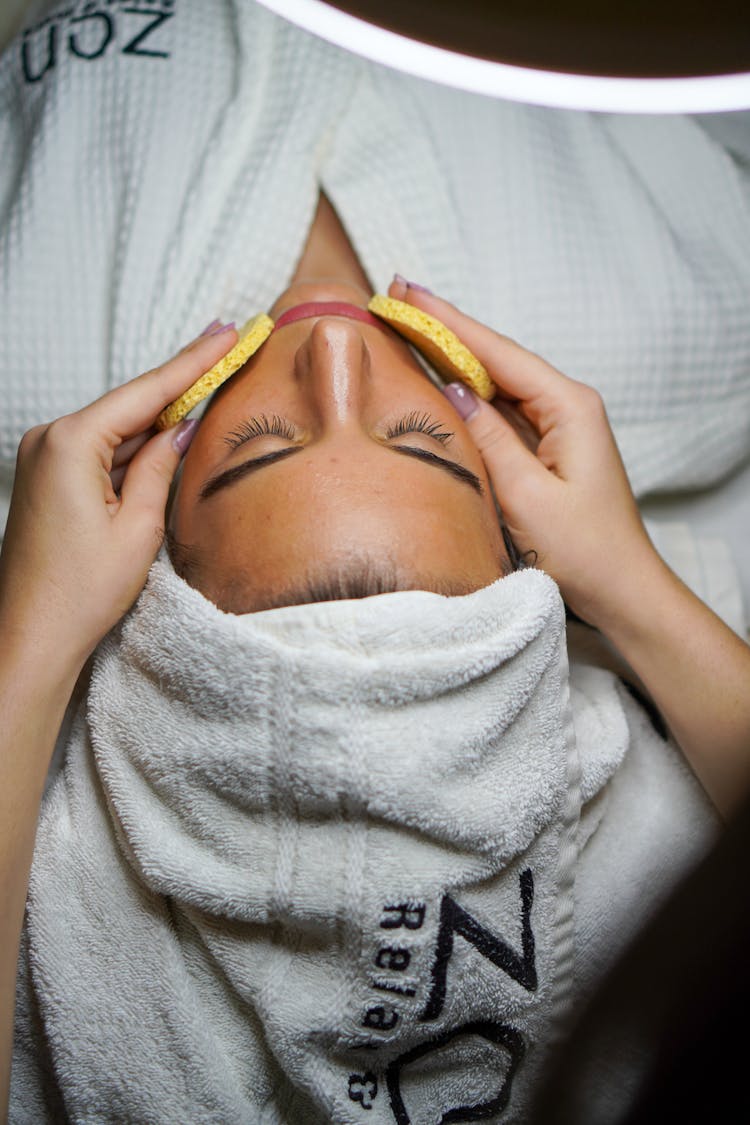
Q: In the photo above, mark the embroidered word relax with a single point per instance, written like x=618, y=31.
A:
x=394, y=958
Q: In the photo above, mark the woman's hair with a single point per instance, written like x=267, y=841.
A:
x=517, y=560
x=359, y=577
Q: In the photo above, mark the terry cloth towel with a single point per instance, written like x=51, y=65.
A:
x=160, y=165
x=316, y=864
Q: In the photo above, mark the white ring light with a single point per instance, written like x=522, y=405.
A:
x=706, y=94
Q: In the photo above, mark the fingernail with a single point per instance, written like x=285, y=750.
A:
x=412, y=284
x=222, y=328
x=464, y=400
x=209, y=327
x=183, y=434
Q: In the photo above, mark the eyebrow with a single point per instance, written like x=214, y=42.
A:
x=238, y=472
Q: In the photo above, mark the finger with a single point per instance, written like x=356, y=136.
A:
x=132, y=408
x=210, y=329
x=518, y=421
x=542, y=390
x=124, y=454
x=145, y=487
x=130, y=447
x=117, y=476
x=508, y=459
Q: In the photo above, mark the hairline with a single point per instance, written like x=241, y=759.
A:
x=355, y=577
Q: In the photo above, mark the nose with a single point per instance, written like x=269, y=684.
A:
x=334, y=365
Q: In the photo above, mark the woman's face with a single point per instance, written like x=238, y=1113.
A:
x=348, y=489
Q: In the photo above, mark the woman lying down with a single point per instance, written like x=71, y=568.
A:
x=341, y=834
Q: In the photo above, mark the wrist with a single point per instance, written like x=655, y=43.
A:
x=31, y=651
x=629, y=604
x=693, y=666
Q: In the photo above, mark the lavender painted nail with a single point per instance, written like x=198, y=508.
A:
x=222, y=328
x=184, y=434
x=412, y=285
x=463, y=399
x=210, y=327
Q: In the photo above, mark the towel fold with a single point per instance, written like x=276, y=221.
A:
x=313, y=864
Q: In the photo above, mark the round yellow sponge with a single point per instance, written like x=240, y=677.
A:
x=252, y=334
x=438, y=344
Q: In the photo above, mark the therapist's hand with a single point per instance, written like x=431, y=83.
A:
x=87, y=512
x=554, y=465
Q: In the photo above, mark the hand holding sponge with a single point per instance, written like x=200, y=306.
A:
x=441, y=347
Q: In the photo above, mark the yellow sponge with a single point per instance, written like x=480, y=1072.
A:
x=252, y=334
x=438, y=344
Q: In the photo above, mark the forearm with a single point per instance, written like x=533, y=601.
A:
x=35, y=687
x=696, y=669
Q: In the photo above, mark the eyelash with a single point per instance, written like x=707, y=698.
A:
x=410, y=423
x=257, y=427
x=419, y=423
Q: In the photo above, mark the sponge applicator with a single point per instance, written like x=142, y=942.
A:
x=441, y=347
x=251, y=336
x=436, y=342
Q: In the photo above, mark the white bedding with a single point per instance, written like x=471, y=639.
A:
x=709, y=543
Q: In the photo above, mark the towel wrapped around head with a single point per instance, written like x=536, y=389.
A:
x=315, y=863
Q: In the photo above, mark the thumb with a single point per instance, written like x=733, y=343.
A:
x=509, y=462
x=145, y=489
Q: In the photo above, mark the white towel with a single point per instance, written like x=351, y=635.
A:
x=317, y=864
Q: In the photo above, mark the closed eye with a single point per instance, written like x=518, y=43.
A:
x=419, y=423
x=257, y=427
